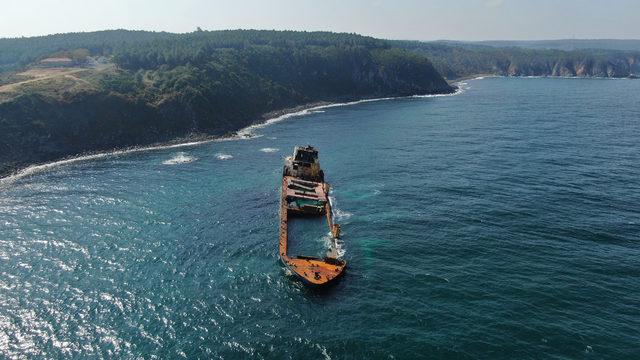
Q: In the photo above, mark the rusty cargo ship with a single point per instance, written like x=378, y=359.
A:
x=305, y=193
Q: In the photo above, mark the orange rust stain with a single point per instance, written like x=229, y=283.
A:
x=313, y=270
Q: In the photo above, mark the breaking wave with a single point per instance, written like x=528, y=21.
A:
x=460, y=88
x=180, y=158
x=221, y=156
x=249, y=131
x=34, y=169
x=340, y=215
x=335, y=246
x=269, y=150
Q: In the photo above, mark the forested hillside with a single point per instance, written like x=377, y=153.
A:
x=168, y=86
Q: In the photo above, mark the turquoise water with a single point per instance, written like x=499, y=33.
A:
x=499, y=223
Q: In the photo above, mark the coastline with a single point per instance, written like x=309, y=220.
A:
x=452, y=82
x=484, y=76
x=244, y=133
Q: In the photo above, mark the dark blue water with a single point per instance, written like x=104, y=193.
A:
x=500, y=223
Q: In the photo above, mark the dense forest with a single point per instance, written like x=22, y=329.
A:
x=169, y=86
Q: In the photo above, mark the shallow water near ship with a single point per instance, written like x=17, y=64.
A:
x=499, y=223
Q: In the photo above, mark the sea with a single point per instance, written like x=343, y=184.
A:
x=502, y=222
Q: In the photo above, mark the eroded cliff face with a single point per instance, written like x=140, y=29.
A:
x=461, y=61
x=613, y=68
x=38, y=128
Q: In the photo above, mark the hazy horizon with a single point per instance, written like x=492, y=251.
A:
x=471, y=20
x=426, y=40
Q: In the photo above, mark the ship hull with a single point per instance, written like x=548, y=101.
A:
x=312, y=201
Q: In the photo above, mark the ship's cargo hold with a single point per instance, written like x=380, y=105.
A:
x=304, y=193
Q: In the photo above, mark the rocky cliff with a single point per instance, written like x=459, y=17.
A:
x=457, y=60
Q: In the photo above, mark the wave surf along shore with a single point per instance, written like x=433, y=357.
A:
x=245, y=133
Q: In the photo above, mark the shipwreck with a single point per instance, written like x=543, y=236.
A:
x=305, y=193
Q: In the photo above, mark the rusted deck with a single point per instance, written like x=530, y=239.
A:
x=304, y=189
x=312, y=270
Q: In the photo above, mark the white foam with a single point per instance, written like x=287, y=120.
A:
x=337, y=213
x=461, y=87
x=248, y=132
x=221, y=156
x=269, y=150
x=335, y=246
x=482, y=77
x=340, y=215
x=180, y=158
x=33, y=169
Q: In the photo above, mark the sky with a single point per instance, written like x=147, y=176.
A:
x=397, y=19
